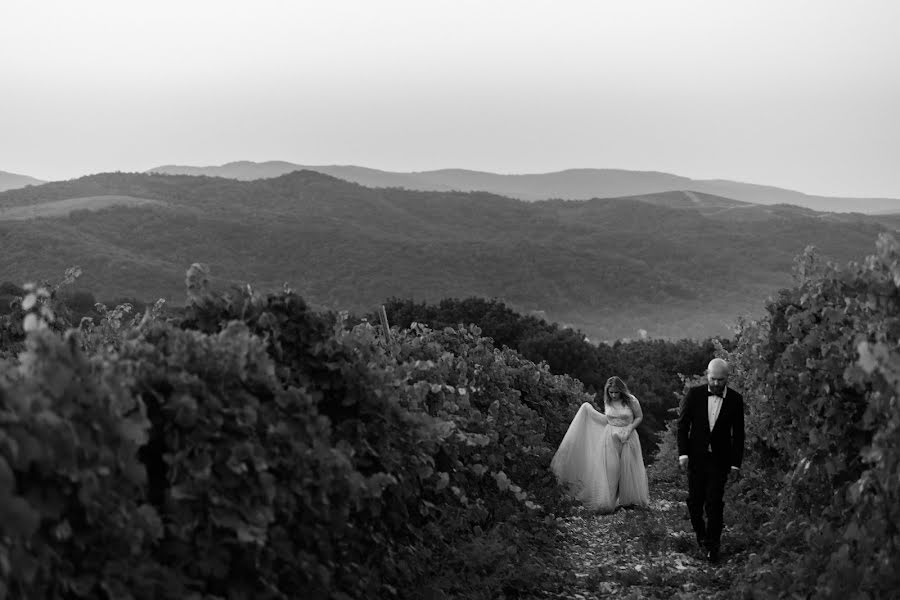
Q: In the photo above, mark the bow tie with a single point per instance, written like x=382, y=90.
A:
x=719, y=396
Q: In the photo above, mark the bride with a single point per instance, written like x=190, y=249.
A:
x=600, y=455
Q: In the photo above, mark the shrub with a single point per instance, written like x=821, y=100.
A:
x=820, y=374
x=256, y=448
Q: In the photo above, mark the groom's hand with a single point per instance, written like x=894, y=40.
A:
x=734, y=474
x=682, y=462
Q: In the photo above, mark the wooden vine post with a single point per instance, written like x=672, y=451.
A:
x=385, y=326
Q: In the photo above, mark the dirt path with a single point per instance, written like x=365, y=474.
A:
x=650, y=554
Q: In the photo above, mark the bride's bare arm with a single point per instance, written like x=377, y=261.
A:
x=638, y=414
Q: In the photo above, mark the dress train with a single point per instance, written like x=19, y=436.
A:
x=597, y=467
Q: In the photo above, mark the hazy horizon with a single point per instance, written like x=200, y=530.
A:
x=799, y=96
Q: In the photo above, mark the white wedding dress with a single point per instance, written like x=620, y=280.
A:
x=599, y=469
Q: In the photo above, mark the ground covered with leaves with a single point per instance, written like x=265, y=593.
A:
x=645, y=553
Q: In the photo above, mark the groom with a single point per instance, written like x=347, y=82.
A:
x=710, y=447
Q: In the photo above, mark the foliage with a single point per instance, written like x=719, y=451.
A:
x=565, y=350
x=73, y=518
x=31, y=306
x=113, y=325
x=665, y=467
x=259, y=448
x=820, y=375
x=653, y=369
x=80, y=302
x=9, y=292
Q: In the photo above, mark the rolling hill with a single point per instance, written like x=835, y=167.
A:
x=572, y=184
x=674, y=264
x=11, y=181
x=63, y=208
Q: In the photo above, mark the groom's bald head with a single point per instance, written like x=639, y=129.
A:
x=717, y=375
x=717, y=365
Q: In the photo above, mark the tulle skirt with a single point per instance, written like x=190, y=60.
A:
x=597, y=467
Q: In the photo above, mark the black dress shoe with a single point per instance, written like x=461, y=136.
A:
x=712, y=555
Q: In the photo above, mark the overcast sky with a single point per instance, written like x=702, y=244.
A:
x=798, y=94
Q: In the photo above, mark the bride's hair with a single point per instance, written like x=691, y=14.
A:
x=616, y=383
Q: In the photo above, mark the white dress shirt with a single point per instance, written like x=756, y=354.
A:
x=713, y=407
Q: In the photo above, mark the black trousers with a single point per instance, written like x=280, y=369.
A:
x=706, y=489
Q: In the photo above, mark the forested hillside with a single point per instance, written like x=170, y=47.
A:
x=609, y=267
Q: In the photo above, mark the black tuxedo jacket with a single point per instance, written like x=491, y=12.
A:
x=727, y=436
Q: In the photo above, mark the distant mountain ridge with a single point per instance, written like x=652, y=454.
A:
x=676, y=264
x=571, y=184
x=11, y=181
